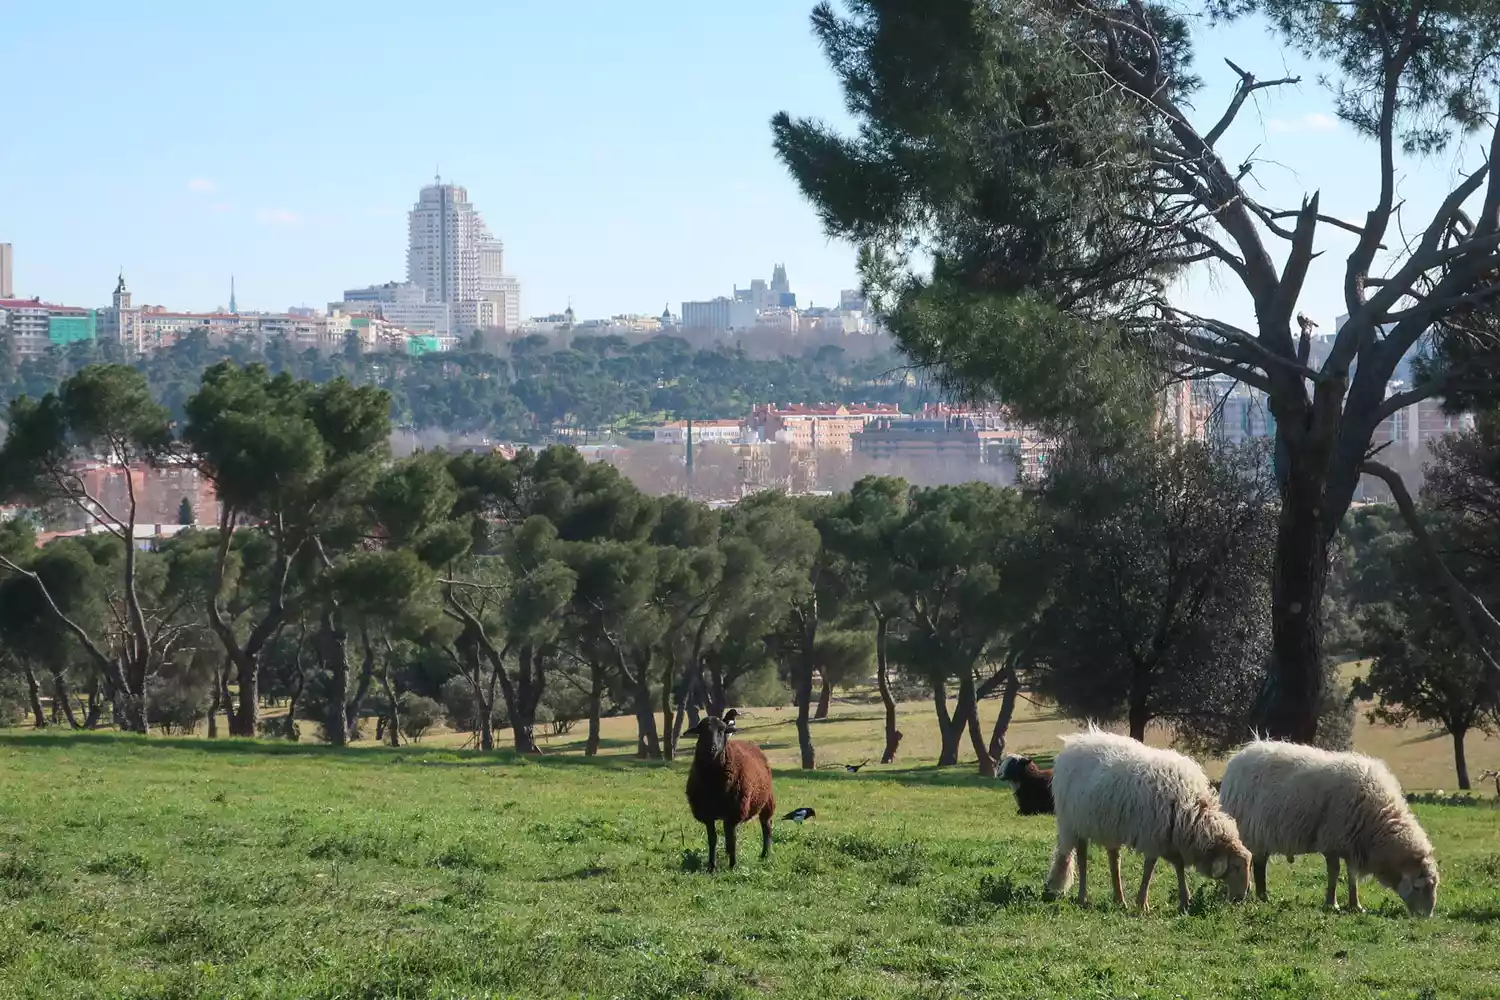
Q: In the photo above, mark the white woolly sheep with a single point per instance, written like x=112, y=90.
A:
x=1122, y=793
x=1293, y=799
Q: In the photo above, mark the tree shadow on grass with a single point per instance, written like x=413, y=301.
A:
x=918, y=775
x=1476, y=914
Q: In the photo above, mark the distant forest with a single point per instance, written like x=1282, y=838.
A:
x=530, y=387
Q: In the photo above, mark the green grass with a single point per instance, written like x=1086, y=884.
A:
x=187, y=868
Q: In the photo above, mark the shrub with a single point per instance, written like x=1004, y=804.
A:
x=418, y=714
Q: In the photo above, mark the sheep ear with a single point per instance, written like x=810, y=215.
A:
x=693, y=731
x=1220, y=867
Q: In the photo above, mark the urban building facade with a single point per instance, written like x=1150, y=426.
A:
x=455, y=259
x=816, y=428
x=32, y=326
x=720, y=315
x=704, y=432
x=400, y=302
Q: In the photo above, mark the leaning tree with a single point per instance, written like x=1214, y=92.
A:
x=1027, y=180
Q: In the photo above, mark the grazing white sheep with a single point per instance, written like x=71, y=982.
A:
x=1293, y=799
x=1123, y=793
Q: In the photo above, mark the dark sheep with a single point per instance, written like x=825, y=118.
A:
x=729, y=782
x=1033, y=786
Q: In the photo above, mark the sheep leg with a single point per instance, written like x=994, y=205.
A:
x=1141, y=902
x=1331, y=897
x=1259, y=866
x=713, y=848
x=1354, y=906
x=1083, y=872
x=1061, y=875
x=729, y=830
x=1114, y=876
x=765, y=834
x=1184, y=898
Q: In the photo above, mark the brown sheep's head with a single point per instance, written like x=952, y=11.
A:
x=1012, y=767
x=712, y=734
x=1416, y=884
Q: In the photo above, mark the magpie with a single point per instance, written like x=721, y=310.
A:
x=798, y=815
x=729, y=718
x=854, y=768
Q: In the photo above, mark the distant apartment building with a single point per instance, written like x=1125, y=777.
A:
x=1415, y=427
x=7, y=271
x=816, y=428
x=403, y=303
x=720, y=315
x=955, y=440
x=158, y=491
x=1185, y=409
x=704, y=432
x=1000, y=436
x=33, y=326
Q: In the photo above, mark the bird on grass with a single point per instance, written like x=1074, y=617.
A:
x=798, y=815
x=729, y=718
x=854, y=768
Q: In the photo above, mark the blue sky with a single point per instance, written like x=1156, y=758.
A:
x=621, y=151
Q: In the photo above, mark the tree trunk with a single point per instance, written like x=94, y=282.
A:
x=825, y=697
x=245, y=719
x=883, y=681
x=213, y=712
x=1007, y=712
x=528, y=697
x=804, y=704
x=484, y=704
x=668, y=745
x=95, y=709
x=60, y=697
x=950, y=727
x=394, y=705
x=333, y=649
x=690, y=684
x=1460, y=759
x=596, y=702
x=966, y=716
x=1294, y=684
x=987, y=762
x=291, y=703
x=34, y=695
x=362, y=691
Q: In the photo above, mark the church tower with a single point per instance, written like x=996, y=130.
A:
x=122, y=294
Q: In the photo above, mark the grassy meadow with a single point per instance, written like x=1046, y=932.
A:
x=192, y=868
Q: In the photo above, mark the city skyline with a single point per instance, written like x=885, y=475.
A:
x=641, y=175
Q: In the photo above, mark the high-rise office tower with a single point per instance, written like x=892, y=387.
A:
x=7, y=286
x=443, y=253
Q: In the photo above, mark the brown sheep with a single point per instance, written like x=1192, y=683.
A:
x=730, y=782
x=1033, y=785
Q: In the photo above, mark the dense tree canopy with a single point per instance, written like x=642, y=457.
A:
x=1026, y=180
x=592, y=383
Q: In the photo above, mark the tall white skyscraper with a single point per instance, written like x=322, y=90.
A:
x=443, y=254
x=7, y=288
x=453, y=257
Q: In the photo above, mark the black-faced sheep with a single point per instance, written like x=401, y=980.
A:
x=1123, y=793
x=729, y=782
x=1293, y=799
x=1032, y=785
